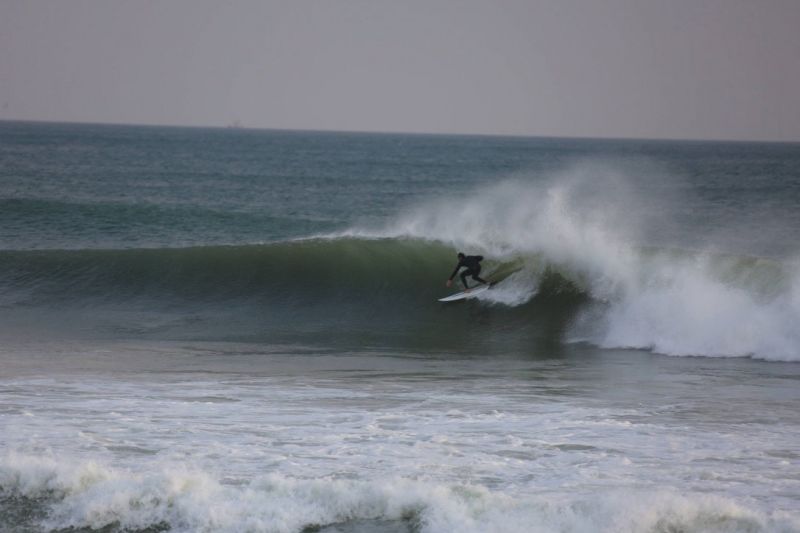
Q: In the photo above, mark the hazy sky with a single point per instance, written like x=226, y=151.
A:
x=726, y=69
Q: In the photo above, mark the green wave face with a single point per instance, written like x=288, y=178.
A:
x=383, y=292
x=365, y=292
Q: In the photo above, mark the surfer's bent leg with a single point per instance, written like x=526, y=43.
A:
x=464, y=278
x=476, y=277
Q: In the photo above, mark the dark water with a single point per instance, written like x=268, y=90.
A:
x=227, y=330
x=83, y=186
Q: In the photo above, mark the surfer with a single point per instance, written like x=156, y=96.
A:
x=472, y=263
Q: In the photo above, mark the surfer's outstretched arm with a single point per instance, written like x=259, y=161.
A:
x=450, y=279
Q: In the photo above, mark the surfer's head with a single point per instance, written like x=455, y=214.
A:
x=461, y=255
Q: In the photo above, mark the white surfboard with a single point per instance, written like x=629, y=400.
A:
x=471, y=293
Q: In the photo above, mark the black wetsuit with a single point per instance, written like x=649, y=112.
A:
x=472, y=263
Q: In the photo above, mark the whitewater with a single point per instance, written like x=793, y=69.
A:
x=235, y=439
x=584, y=225
x=238, y=330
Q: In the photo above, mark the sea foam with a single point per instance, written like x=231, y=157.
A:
x=79, y=494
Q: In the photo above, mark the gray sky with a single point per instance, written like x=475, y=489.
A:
x=725, y=69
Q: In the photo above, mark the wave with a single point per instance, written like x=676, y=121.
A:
x=324, y=268
x=574, y=257
x=40, y=493
x=625, y=249
x=670, y=301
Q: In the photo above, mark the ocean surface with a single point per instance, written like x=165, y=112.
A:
x=234, y=330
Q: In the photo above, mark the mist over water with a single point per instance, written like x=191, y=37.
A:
x=593, y=225
x=211, y=330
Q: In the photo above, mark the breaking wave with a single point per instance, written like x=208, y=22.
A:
x=614, y=244
x=575, y=252
x=43, y=494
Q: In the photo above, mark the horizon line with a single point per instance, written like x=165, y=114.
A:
x=239, y=127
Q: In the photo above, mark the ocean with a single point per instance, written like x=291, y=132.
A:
x=238, y=330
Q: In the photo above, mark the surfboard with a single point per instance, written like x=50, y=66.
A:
x=471, y=293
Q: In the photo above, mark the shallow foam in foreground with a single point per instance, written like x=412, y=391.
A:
x=59, y=494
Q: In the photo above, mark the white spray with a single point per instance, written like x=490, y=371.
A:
x=594, y=223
